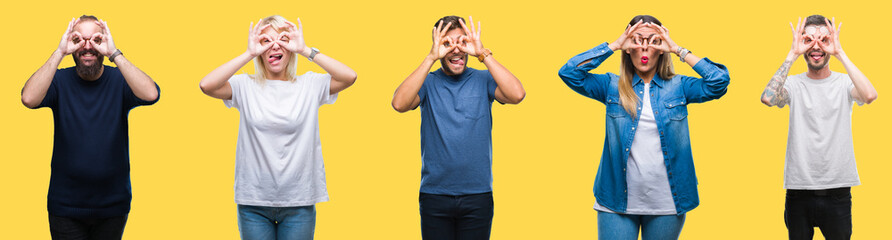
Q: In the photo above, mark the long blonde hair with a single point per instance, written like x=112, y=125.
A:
x=278, y=24
x=627, y=96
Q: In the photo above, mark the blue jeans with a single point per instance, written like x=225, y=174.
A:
x=830, y=209
x=448, y=217
x=65, y=228
x=256, y=222
x=612, y=226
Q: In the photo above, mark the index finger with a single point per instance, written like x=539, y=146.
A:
x=101, y=25
x=801, y=27
x=474, y=28
x=438, y=28
x=263, y=28
x=445, y=29
x=465, y=27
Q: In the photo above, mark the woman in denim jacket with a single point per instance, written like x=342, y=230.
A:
x=646, y=175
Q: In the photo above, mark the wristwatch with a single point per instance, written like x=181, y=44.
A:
x=486, y=53
x=313, y=52
x=112, y=57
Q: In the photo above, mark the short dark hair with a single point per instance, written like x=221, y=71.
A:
x=450, y=19
x=645, y=19
x=90, y=17
x=816, y=19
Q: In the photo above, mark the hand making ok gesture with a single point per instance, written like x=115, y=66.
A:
x=442, y=43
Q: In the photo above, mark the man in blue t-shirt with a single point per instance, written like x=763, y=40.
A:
x=89, y=196
x=456, y=130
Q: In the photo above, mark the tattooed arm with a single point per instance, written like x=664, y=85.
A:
x=775, y=94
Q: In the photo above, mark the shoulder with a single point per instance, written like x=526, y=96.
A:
x=840, y=77
x=240, y=78
x=65, y=74
x=479, y=74
x=313, y=77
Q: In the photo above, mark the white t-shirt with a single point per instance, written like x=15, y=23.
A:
x=820, y=154
x=278, y=160
x=647, y=178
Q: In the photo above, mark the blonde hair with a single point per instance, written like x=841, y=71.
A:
x=278, y=24
x=627, y=96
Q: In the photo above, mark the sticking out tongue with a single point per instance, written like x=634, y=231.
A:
x=457, y=61
x=644, y=59
x=274, y=58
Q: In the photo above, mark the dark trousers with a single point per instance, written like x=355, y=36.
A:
x=63, y=228
x=830, y=210
x=456, y=217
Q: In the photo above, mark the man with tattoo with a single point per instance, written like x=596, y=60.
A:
x=820, y=160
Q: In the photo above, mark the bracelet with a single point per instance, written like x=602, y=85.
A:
x=114, y=55
x=683, y=52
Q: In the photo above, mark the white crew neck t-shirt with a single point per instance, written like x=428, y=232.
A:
x=820, y=153
x=278, y=159
x=646, y=178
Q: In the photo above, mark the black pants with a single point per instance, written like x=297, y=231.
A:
x=75, y=229
x=830, y=210
x=465, y=217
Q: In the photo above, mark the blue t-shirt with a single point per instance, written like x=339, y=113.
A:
x=456, y=132
x=91, y=162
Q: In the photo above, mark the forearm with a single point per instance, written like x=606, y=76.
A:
x=775, y=94
x=35, y=88
x=142, y=85
x=339, y=71
x=864, y=89
x=217, y=78
x=406, y=94
x=508, y=84
x=691, y=59
x=577, y=68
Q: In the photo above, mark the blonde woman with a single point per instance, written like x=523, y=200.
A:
x=279, y=173
x=646, y=175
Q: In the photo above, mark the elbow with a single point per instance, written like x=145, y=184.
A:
x=870, y=97
x=517, y=98
x=152, y=96
x=398, y=106
x=564, y=73
x=205, y=87
x=29, y=102
x=766, y=101
x=350, y=79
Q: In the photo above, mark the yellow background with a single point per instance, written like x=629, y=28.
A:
x=546, y=150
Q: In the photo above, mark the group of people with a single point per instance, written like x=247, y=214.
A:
x=645, y=183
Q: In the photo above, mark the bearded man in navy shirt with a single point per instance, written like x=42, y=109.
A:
x=89, y=195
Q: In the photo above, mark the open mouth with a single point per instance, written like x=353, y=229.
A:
x=87, y=55
x=274, y=59
x=644, y=59
x=817, y=56
x=457, y=61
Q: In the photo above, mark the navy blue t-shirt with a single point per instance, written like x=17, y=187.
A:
x=456, y=132
x=91, y=161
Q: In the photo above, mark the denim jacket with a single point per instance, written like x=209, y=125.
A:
x=669, y=99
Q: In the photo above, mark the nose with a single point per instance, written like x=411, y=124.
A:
x=88, y=44
x=456, y=51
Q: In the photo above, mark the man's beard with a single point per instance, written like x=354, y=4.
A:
x=91, y=70
x=820, y=65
